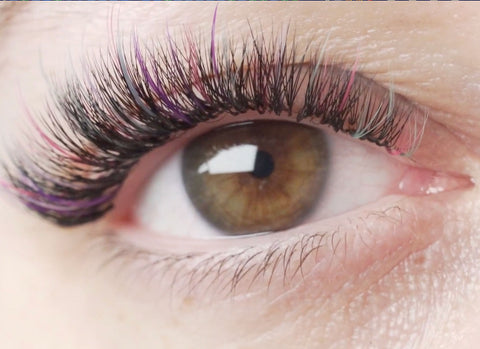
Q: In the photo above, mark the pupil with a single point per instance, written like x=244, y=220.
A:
x=264, y=165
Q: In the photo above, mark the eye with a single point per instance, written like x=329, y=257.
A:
x=143, y=144
x=258, y=176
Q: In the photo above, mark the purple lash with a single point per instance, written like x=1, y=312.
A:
x=212, y=43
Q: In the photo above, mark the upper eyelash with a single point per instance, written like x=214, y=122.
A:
x=133, y=101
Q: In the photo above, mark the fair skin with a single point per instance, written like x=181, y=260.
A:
x=419, y=288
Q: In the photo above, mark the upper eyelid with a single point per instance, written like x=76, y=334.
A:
x=99, y=149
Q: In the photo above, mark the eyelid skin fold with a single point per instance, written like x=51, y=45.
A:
x=135, y=100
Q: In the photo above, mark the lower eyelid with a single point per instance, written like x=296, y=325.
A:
x=338, y=250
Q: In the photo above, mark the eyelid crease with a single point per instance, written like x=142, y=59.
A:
x=140, y=99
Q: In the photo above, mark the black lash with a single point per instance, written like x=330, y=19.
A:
x=134, y=100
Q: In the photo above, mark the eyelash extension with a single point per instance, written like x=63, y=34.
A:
x=134, y=100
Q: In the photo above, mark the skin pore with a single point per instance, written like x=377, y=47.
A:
x=423, y=293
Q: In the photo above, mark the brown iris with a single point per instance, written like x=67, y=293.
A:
x=255, y=176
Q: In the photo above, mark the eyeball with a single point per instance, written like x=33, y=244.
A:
x=257, y=176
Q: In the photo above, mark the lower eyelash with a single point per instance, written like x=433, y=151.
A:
x=133, y=102
x=277, y=266
x=188, y=273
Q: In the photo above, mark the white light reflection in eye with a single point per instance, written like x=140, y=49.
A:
x=237, y=159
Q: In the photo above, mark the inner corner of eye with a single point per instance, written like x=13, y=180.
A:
x=266, y=176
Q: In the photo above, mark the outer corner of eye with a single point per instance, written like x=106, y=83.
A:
x=266, y=176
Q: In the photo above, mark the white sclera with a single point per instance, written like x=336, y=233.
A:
x=357, y=174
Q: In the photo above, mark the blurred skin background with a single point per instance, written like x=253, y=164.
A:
x=417, y=292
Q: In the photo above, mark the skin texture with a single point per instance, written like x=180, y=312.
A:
x=54, y=292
